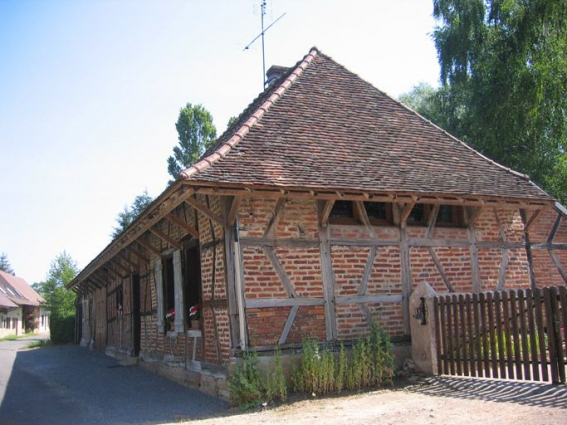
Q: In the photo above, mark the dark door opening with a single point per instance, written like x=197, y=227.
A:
x=136, y=317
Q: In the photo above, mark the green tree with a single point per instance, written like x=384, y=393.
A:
x=54, y=289
x=130, y=213
x=504, y=72
x=5, y=264
x=196, y=133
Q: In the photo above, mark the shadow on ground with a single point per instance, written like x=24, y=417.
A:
x=525, y=393
x=72, y=385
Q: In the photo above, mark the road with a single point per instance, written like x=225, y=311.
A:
x=72, y=385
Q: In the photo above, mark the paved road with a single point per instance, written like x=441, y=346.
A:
x=73, y=385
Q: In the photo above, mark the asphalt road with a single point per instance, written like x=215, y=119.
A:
x=73, y=385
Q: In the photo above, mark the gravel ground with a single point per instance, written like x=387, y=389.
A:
x=444, y=400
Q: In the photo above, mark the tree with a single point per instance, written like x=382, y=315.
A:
x=129, y=214
x=196, y=133
x=54, y=289
x=503, y=70
x=5, y=264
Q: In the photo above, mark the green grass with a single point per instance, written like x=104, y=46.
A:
x=39, y=344
x=15, y=338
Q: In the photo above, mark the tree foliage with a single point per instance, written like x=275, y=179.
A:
x=130, y=213
x=5, y=264
x=196, y=133
x=503, y=74
x=54, y=289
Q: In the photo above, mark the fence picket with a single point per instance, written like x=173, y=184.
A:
x=538, y=301
x=457, y=347
x=557, y=334
x=516, y=334
x=498, y=311
x=465, y=359
x=437, y=333
x=523, y=334
x=550, y=335
x=476, y=307
x=508, y=338
x=533, y=335
x=444, y=331
x=471, y=334
x=484, y=334
x=492, y=354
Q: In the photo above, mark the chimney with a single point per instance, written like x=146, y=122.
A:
x=274, y=73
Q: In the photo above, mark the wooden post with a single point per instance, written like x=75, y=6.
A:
x=230, y=269
x=328, y=280
x=406, y=267
x=474, y=253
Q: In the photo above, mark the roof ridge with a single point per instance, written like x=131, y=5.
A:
x=254, y=117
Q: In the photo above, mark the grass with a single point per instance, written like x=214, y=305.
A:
x=39, y=344
x=15, y=338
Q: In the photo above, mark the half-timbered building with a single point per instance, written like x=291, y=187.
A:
x=314, y=215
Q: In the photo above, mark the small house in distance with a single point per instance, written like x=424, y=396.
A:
x=313, y=216
x=22, y=309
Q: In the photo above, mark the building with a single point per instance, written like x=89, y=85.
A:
x=314, y=215
x=22, y=309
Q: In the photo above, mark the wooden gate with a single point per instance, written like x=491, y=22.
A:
x=516, y=334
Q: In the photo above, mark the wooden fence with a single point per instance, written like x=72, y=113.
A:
x=516, y=334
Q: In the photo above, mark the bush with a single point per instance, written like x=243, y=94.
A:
x=62, y=329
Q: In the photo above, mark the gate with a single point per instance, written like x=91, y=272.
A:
x=516, y=334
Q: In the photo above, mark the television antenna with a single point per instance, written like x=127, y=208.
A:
x=262, y=13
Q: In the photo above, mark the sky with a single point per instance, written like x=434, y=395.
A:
x=90, y=91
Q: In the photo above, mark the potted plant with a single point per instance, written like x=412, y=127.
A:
x=195, y=316
x=170, y=318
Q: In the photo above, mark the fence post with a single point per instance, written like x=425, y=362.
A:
x=423, y=340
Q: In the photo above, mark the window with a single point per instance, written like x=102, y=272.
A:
x=192, y=278
x=169, y=293
x=448, y=216
x=346, y=212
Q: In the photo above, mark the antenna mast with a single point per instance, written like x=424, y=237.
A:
x=262, y=13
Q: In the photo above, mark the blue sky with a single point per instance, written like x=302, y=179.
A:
x=90, y=92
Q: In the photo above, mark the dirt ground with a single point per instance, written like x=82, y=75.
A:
x=443, y=400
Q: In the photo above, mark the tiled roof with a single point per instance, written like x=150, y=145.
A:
x=5, y=302
x=322, y=127
x=19, y=291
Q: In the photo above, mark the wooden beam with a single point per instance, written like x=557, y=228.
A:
x=554, y=246
x=190, y=229
x=233, y=212
x=122, y=255
x=331, y=332
x=357, y=299
x=406, y=273
x=502, y=271
x=275, y=214
x=282, y=302
x=288, y=324
x=363, y=242
x=116, y=262
x=274, y=243
x=367, y=271
x=230, y=273
x=137, y=253
x=364, y=217
x=110, y=270
x=441, y=269
x=432, y=220
x=474, y=215
x=558, y=265
x=149, y=247
x=406, y=211
x=473, y=249
x=326, y=208
x=204, y=209
x=165, y=237
x=554, y=229
x=280, y=272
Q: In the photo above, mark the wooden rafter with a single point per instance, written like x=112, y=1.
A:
x=137, y=253
x=149, y=246
x=532, y=219
x=190, y=229
x=475, y=213
x=165, y=237
x=204, y=209
x=325, y=211
x=124, y=257
x=233, y=212
x=406, y=211
x=108, y=268
x=275, y=215
x=115, y=261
